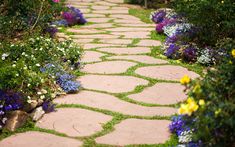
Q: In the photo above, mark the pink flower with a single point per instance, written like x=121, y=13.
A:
x=56, y=1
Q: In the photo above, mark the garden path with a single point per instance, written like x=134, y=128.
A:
x=127, y=96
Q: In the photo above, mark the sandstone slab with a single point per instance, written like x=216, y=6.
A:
x=113, y=84
x=130, y=29
x=94, y=15
x=111, y=12
x=85, y=31
x=83, y=41
x=124, y=16
x=161, y=93
x=130, y=50
x=112, y=103
x=104, y=3
x=98, y=20
x=92, y=46
x=140, y=58
x=166, y=72
x=128, y=21
x=91, y=56
x=116, y=41
x=74, y=121
x=98, y=25
x=142, y=35
x=149, y=43
x=39, y=139
x=95, y=36
x=135, y=131
x=108, y=67
x=97, y=7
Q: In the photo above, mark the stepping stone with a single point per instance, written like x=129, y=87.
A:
x=80, y=7
x=123, y=16
x=119, y=8
x=113, y=84
x=96, y=7
x=95, y=36
x=103, y=25
x=138, y=25
x=132, y=35
x=98, y=20
x=105, y=3
x=83, y=41
x=111, y=12
x=84, y=10
x=137, y=131
x=74, y=122
x=94, y=15
x=91, y=46
x=161, y=93
x=127, y=50
x=131, y=29
x=91, y=56
x=128, y=21
x=38, y=139
x=116, y=41
x=149, y=43
x=62, y=35
x=115, y=1
x=112, y=103
x=85, y=31
x=108, y=67
x=166, y=72
x=140, y=58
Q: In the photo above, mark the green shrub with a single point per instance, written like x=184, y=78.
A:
x=21, y=64
x=22, y=16
x=215, y=19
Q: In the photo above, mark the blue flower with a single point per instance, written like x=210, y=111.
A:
x=70, y=86
x=48, y=106
x=172, y=51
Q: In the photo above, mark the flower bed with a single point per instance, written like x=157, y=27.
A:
x=207, y=117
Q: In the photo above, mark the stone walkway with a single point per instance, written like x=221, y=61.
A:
x=127, y=95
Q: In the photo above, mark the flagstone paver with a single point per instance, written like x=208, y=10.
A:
x=98, y=20
x=161, y=93
x=94, y=36
x=116, y=41
x=113, y=84
x=133, y=35
x=90, y=46
x=112, y=103
x=140, y=58
x=126, y=50
x=38, y=139
x=111, y=67
x=91, y=56
x=109, y=87
x=74, y=121
x=166, y=72
x=149, y=43
x=135, y=131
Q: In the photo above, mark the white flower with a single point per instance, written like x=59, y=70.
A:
x=42, y=96
x=13, y=65
x=17, y=75
x=53, y=95
x=38, y=65
x=4, y=120
x=23, y=53
x=39, y=93
x=186, y=136
x=44, y=91
x=4, y=56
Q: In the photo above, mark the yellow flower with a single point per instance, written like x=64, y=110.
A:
x=233, y=53
x=193, y=106
x=183, y=109
x=185, y=80
x=201, y=102
x=217, y=112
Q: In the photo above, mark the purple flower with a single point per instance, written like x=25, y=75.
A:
x=70, y=86
x=52, y=31
x=48, y=106
x=171, y=51
x=74, y=16
x=158, y=17
x=171, y=39
x=165, y=22
x=190, y=53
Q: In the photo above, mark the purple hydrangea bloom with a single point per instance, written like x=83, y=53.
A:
x=74, y=16
x=158, y=17
x=165, y=22
x=172, y=50
x=70, y=86
x=190, y=53
x=48, y=106
x=52, y=31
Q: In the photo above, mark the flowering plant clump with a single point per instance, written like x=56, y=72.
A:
x=207, y=117
x=29, y=72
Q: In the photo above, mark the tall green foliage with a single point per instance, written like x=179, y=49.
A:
x=214, y=18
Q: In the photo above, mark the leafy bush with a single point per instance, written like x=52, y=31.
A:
x=215, y=19
x=22, y=16
x=209, y=110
